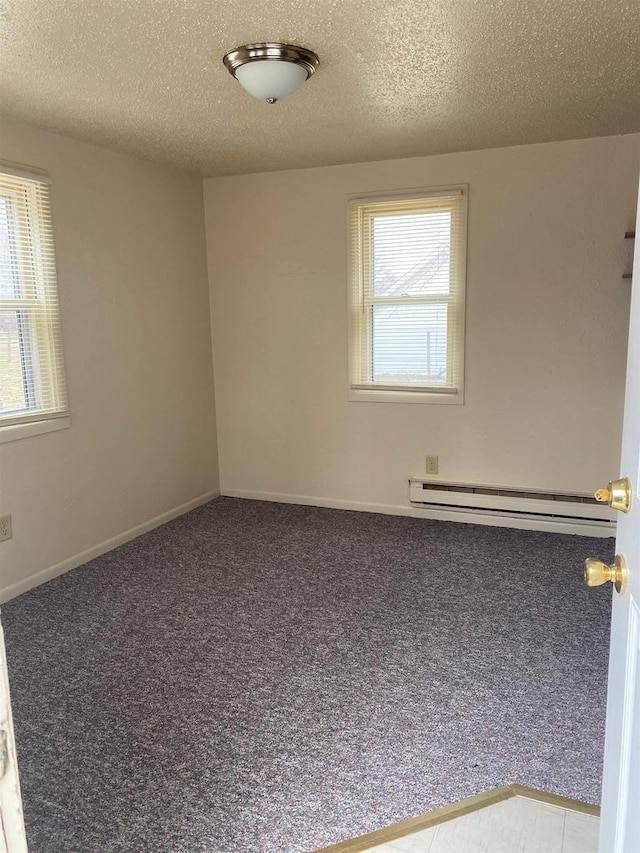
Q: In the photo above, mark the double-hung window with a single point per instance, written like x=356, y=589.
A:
x=32, y=381
x=407, y=286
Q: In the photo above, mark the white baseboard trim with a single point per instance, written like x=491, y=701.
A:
x=550, y=525
x=76, y=560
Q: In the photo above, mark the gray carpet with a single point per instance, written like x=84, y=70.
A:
x=271, y=678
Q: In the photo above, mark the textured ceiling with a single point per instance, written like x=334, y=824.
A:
x=396, y=79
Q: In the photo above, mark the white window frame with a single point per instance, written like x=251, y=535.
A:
x=361, y=299
x=35, y=260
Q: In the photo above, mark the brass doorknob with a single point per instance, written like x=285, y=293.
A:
x=617, y=494
x=597, y=573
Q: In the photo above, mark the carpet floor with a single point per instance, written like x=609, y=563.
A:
x=265, y=678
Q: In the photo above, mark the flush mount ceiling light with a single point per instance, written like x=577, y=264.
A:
x=271, y=71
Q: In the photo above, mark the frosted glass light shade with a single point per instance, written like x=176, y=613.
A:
x=270, y=80
x=271, y=71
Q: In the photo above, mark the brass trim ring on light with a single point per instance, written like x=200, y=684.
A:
x=271, y=50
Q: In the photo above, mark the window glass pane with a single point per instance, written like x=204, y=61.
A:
x=409, y=344
x=16, y=387
x=410, y=254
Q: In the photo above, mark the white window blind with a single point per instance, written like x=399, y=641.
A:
x=32, y=382
x=407, y=287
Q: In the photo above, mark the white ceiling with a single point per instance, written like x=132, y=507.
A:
x=396, y=79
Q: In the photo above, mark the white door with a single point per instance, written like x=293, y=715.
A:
x=12, y=836
x=620, y=820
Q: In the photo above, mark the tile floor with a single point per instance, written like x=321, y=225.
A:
x=516, y=825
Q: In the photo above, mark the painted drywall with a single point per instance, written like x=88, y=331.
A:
x=547, y=314
x=134, y=301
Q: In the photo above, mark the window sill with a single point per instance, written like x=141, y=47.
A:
x=360, y=395
x=14, y=432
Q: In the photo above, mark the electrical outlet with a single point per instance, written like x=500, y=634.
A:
x=432, y=464
x=5, y=528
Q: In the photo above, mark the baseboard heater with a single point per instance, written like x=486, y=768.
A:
x=569, y=512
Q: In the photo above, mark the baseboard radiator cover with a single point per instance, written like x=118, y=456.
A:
x=575, y=512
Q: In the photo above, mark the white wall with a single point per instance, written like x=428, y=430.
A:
x=135, y=311
x=546, y=327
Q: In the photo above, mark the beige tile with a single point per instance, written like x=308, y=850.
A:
x=515, y=825
x=419, y=842
x=580, y=833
